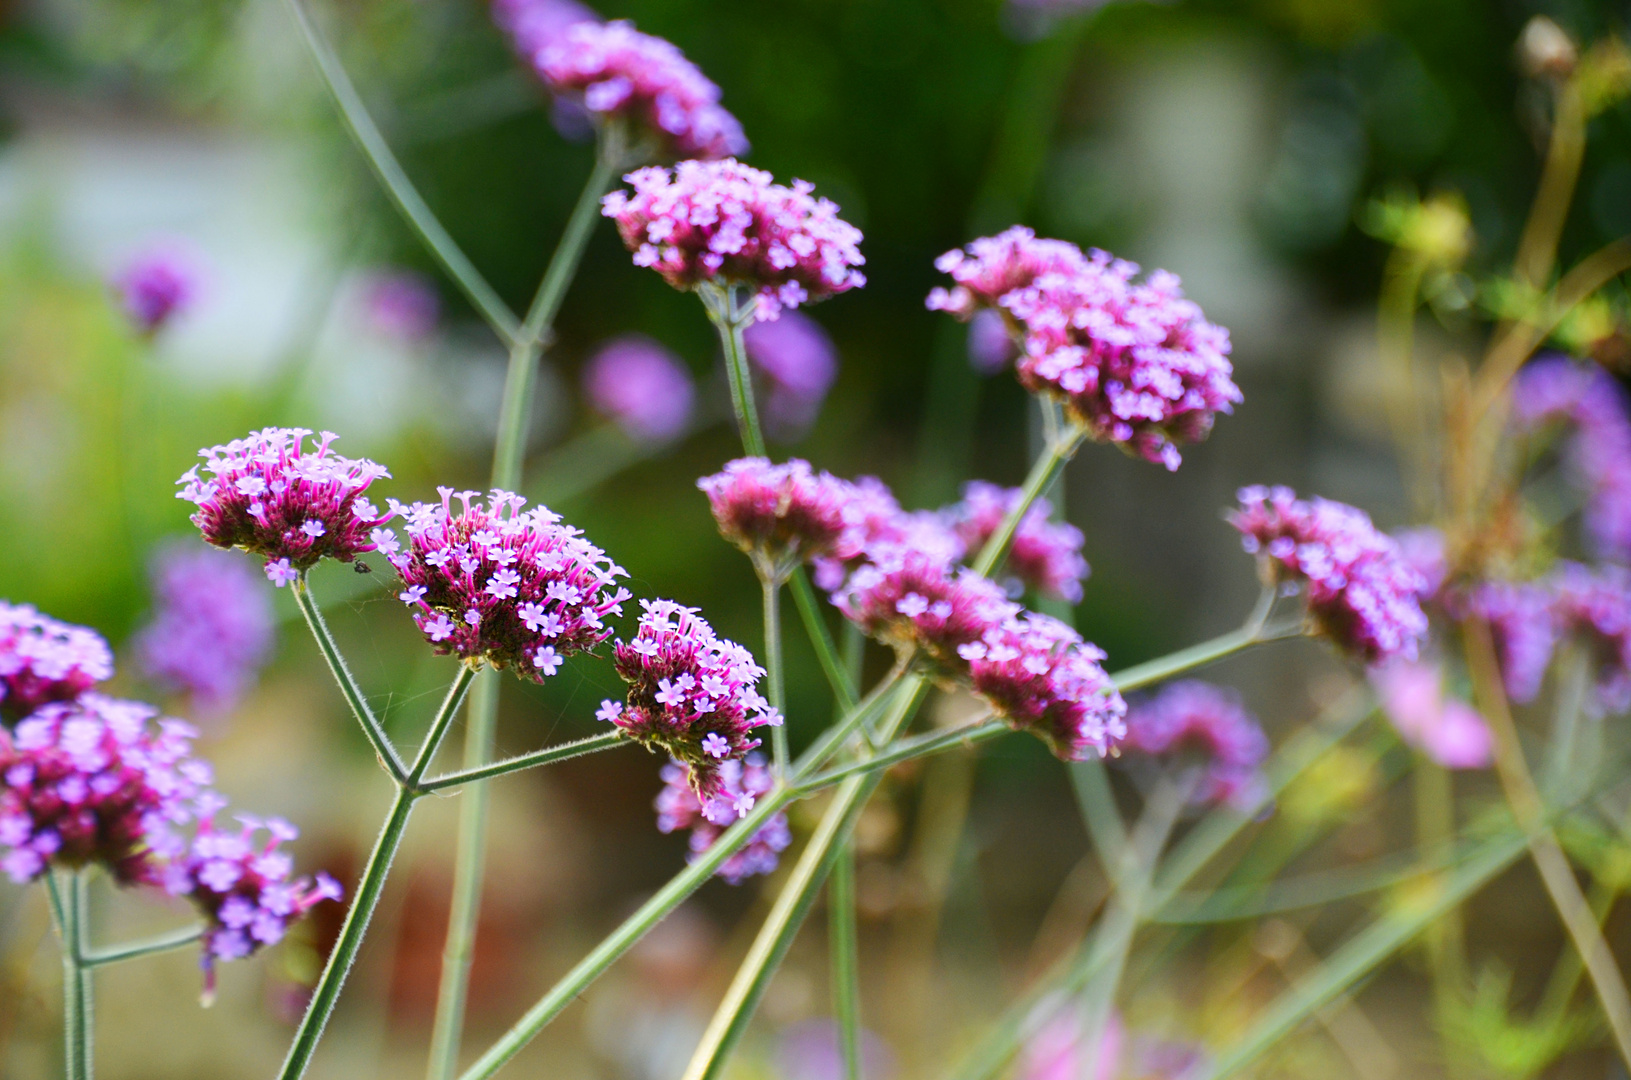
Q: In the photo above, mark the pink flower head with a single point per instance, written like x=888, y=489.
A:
x=1362, y=594
x=691, y=693
x=781, y=514
x=991, y=267
x=875, y=522
x=1423, y=550
x=1056, y=1051
x=158, y=283
x=1193, y=717
x=1041, y=677
x=95, y=780
x=916, y=599
x=241, y=884
x=641, y=387
x=1525, y=627
x=798, y=363
x=1136, y=364
x=1556, y=388
x=211, y=628
x=619, y=72
x=739, y=786
x=269, y=495
x=496, y=582
x=400, y=304
x=531, y=25
x=1446, y=729
x=726, y=223
x=1045, y=555
x=44, y=660
x=1595, y=605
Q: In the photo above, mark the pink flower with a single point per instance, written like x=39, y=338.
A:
x=1045, y=555
x=1040, y=676
x=1199, y=718
x=158, y=283
x=782, y=514
x=616, y=71
x=1361, y=592
x=740, y=783
x=268, y=495
x=1555, y=388
x=400, y=304
x=641, y=387
x=1525, y=627
x=992, y=267
x=723, y=222
x=1595, y=605
x=496, y=582
x=44, y=660
x=915, y=599
x=1446, y=729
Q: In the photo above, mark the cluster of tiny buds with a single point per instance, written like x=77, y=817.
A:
x=269, y=495
x=739, y=787
x=497, y=582
x=782, y=514
x=725, y=223
x=44, y=660
x=691, y=693
x=1362, y=594
x=1045, y=555
x=1208, y=722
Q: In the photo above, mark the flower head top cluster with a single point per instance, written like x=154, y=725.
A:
x=691, y=693
x=269, y=495
x=158, y=284
x=95, y=780
x=876, y=523
x=727, y=223
x=782, y=514
x=241, y=884
x=1361, y=593
x=641, y=387
x=1556, y=388
x=921, y=601
x=211, y=629
x=739, y=787
x=990, y=268
x=501, y=583
x=1209, y=721
x=44, y=660
x=531, y=25
x=1043, y=678
x=620, y=72
x=1045, y=555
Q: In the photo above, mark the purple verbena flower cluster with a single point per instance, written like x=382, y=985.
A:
x=1198, y=718
x=740, y=784
x=1595, y=605
x=497, y=582
x=990, y=268
x=157, y=284
x=691, y=693
x=44, y=660
x=268, y=495
x=532, y=25
x=730, y=224
x=782, y=514
x=241, y=884
x=95, y=780
x=919, y=601
x=641, y=387
x=620, y=72
x=211, y=628
x=797, y=364
x=1524, y=624
x=1361, y=592
x=1045, y=555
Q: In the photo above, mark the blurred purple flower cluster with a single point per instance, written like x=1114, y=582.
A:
x=1208, y=724
x=211, y=627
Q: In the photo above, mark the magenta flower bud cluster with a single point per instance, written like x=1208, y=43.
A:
x=641, y=387
x=619, y=72
x=271, y=496
x=918, y=601
x=95, y=780
x=990, y=268
x=531, y=25
x=1208, y=725
x=501, y=583
x=726, y=223
x=44, y=660
x=691, y=693
x=1041, y=677
x=740, y=785
x=242, y=885
x=158, y=284
x=1361, y=592
x=1045, y=555
x=211, y=628
x=782, y=514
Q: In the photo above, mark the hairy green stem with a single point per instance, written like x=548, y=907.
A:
x=730, y=318
x=67, y=893
x=1043, y=473
x=841, y=675
x=846, y=961
x=549, y=755
x=773, y=671
x=159, y=943
x=371, y=727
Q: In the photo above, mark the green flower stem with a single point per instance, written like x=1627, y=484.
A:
x=965, y=735
x=730, y=318
x=1099, y=811
x=396, y=182
x=327, y=992
x=67, y=893
x=1165, y=667
x=830, y=741
x=839, y=673
x=606, y=740
x=389, y=760
x=773, y=670
x=846, y=963
x=160, y=943
x=1043, y=473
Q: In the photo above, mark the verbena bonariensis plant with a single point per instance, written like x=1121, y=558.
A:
x=1475, y=596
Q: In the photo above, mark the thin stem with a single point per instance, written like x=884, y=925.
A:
x=548, y=756
x=389, y=759
x=396, y=182
x=730, y=320
x=967, y=735
x=1165, y=667
x=67, y=891
x=846, y=965
x=840, y=674
x=160, y=943
x=829, y=741
x=440, y=722
x=1553, y=865
x=773, y=670
x=1099, y=811
x=1043, y=473
x=1537, y=247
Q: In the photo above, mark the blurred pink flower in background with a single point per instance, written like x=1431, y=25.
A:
x=158, y=283
x=810, y=1051
x=211, y=627
x=1445, y=728
x=798, y=363
x=400, y=304
x=641, y=387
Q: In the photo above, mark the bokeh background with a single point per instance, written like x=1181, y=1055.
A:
x=1234, y=143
